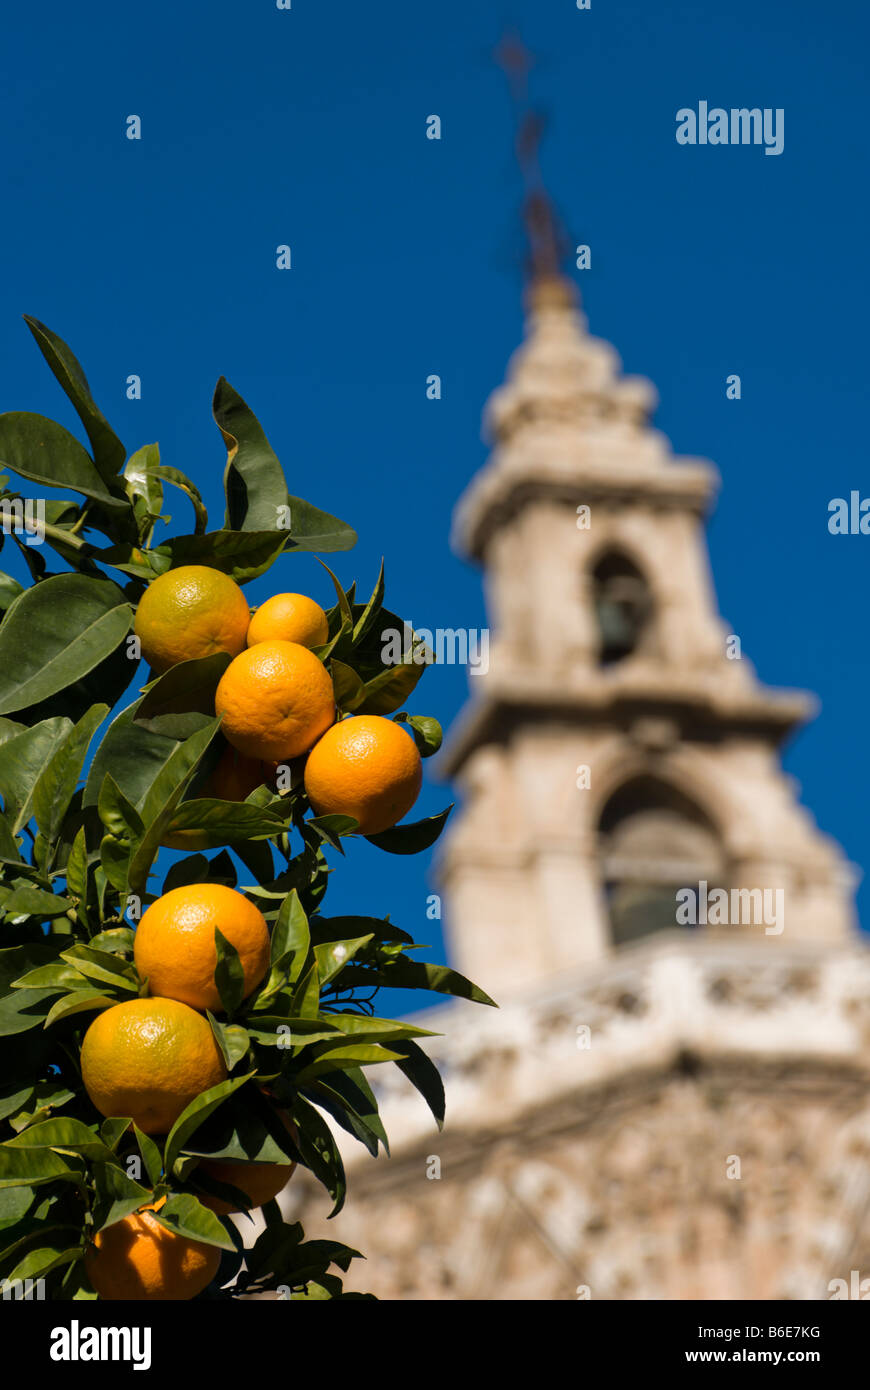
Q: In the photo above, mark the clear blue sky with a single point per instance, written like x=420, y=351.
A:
x=307, y=127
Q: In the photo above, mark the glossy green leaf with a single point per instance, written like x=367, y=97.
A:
x=117, y=1195
x=320, y=1152
x=43, y=451
x=413, y=837
x=181, y=481
x=189, y=686
x=422, y=1072
x=57, y=783
x=78, y=1002
x=65, y=1134
x=369, y=614
x=389, y=690
x=144, y=488
x=195, y=1113
x=184, y=1215
x=104, y=966
x=337, y=1058
x=108, y=450
x=291, y=934
x=151, y=1156
x=22, y=1167
x=229, y=973
x=24, y=758
x=56, y=633
x=425, y=731
x=26, y=901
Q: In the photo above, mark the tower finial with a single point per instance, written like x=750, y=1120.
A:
x=547, y=243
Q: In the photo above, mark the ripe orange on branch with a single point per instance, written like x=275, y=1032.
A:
x=367, y=767
x=276, y=699
x=174, y=946
x=289, y=618
x=188, y=612
x=149, y=1058
x=138, y=1259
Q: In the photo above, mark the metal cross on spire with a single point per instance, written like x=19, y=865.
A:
x=546, y=237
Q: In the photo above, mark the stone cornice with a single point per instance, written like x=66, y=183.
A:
x=706, y=707
x=766, y=1009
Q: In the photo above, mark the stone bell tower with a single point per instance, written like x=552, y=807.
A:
x=619, y=747
x=656, y=1110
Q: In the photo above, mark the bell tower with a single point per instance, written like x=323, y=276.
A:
x=619, y=757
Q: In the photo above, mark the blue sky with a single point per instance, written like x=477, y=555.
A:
x=307, y=127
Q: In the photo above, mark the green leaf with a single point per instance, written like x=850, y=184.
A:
x=151, y=1155
x=57, y=632
x=422, y=1072
x=108, y=450
x=402, y=973
x=180, y=480
x=186, y=1216
x=57, y=783
x=242, y=554
x=413, y=837
x=113, y=1129
x=116, y=940
x=120, y=818
x=255, y=485
x=9, y=590
x=220, y=823
x=291, y=934
x=189, y=686
x=389, y=690
x=13, y=1098
x=24, y=758
x=104, y=966
x=340, y=1058
x=193, y=1115
x=37, y=1263
x=143, y=488
x=134, y=755
x=43, y=451
x=320, y=1152
x=349, y=1099
x=162, y=798
x=229, y=974
x=15, y=1202
x=117, y=1195
x=77, y=1003
x=333, y=956
x=233, y=1040
x=24, y=1168
x=306, y=996
x=372, y=609
x=347, y=685
x=25, y=901
x=425, y=730
x=59, y=975
x=64, y=1134
x=23, y=1010
x=254, y=480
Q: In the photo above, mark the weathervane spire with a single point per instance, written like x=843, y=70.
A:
x=547, y=243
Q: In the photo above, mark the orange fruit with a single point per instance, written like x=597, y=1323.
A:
x=366, y=767
x=191, y=611
x=276, y=700
x=174, y=946
x=138, y=1259
x=235, y=776
x=233, y=779
x=259, y=1181
x=149, y=1058
x=289, y=618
